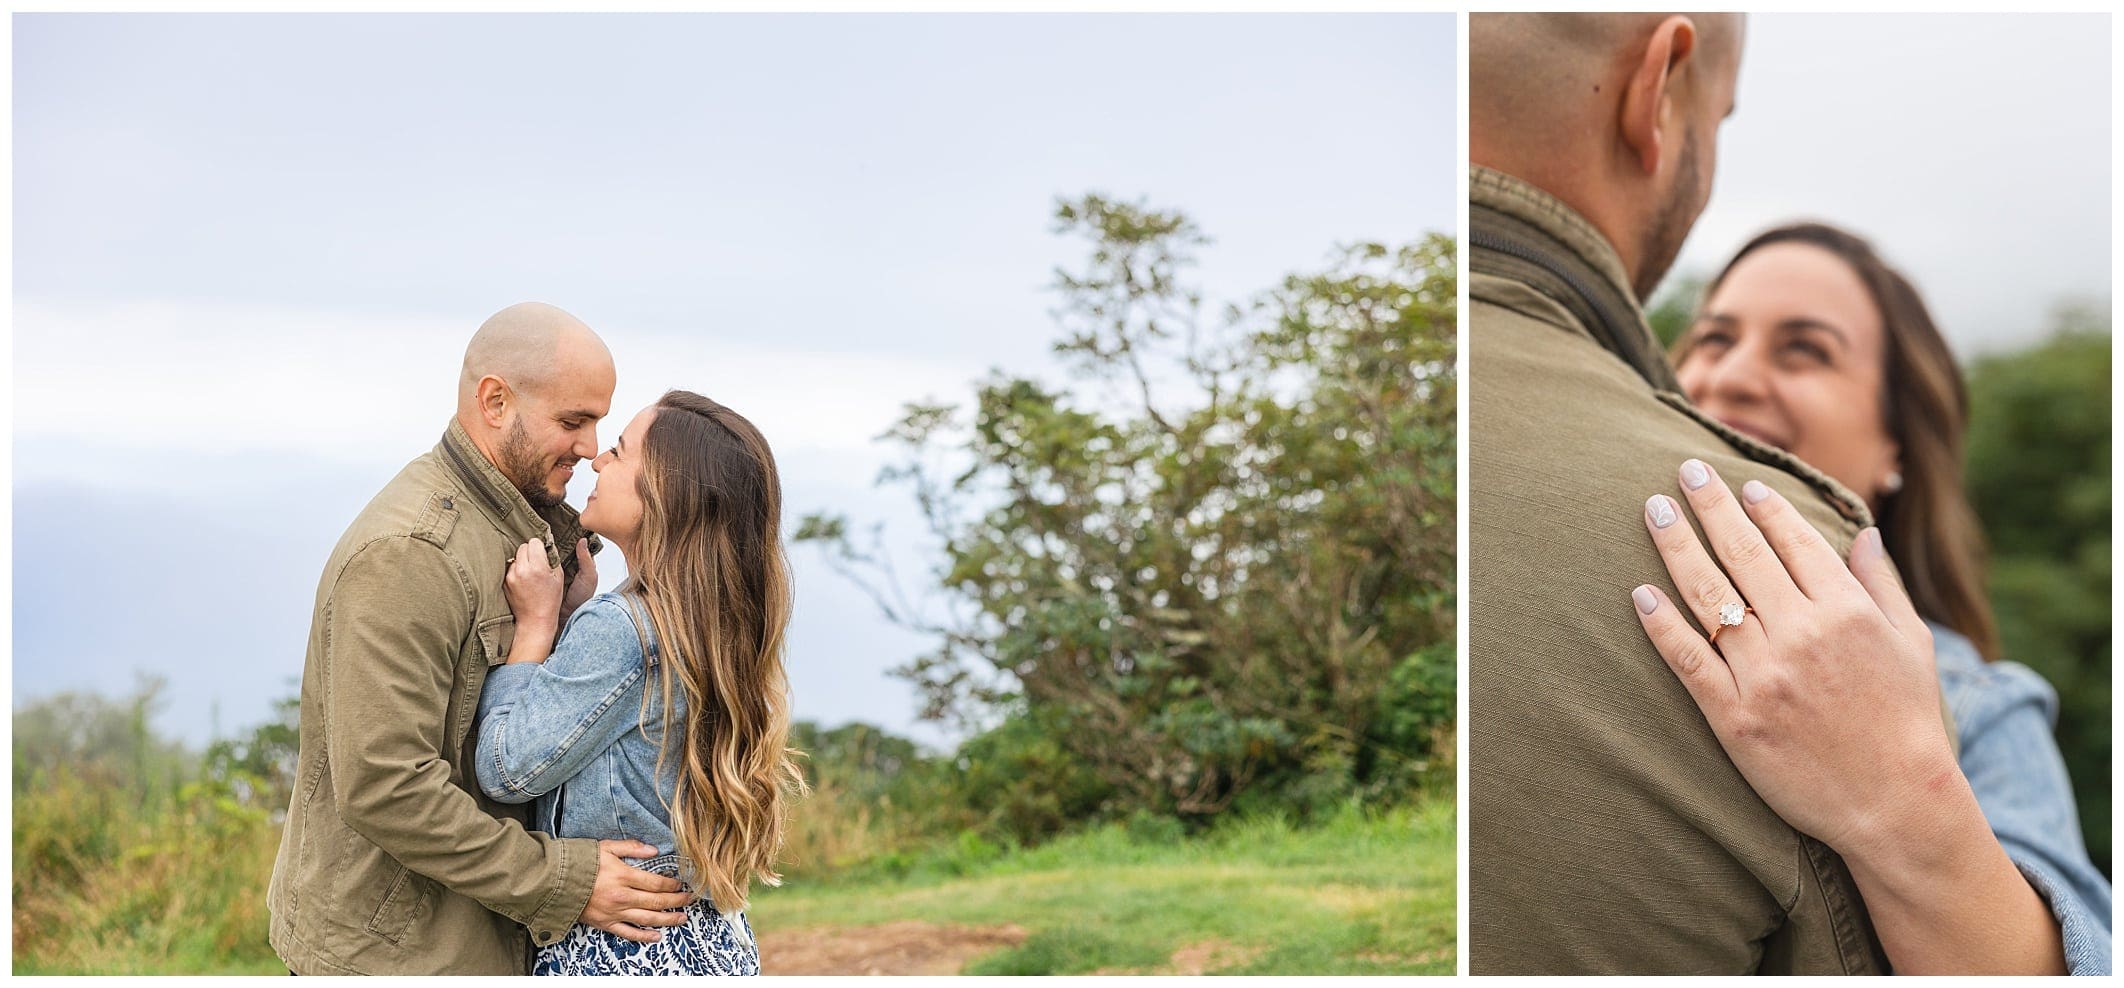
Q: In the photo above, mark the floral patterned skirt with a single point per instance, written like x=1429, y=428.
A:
x=707, y=943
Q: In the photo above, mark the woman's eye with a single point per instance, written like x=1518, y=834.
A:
x=1808, y=351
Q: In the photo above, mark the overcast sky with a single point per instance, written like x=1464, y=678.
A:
x=1974, y=150
x=249, y=249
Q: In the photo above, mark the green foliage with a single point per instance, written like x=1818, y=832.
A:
x=95, y=738
x=260, y=768
x=130, y=854
x=1674, y=305
x=1023, y=781
x=2039, y=474
x=1195, y=581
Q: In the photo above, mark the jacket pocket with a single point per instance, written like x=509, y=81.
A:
x=409, y=901
x=495, y=636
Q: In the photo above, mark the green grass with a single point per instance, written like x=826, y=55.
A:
x=106, y=883
x=1361, y=893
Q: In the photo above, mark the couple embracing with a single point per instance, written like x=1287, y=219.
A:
x=502, y=770
x=1796, y=748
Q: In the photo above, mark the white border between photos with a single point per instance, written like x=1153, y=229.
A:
x=1460, y=520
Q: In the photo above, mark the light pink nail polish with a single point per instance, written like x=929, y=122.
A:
x=1647, y=601
x=1695, y=474
x=1660, y=508
x=1754, y=491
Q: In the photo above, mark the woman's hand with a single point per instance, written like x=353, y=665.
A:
x=1825, y=696
x=1827, y=700
x=534, y=592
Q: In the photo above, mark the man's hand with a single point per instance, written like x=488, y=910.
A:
x=627, y=901
x=584, y=586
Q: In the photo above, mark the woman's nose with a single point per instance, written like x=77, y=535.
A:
x=1740, y=374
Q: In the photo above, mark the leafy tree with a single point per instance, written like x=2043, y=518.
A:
x=259, y=769
x=2039, y=474
x=105, y=742
x=1201, y=578
x=1674, y=304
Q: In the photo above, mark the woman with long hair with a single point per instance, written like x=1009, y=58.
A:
x=658, y=712
x=1825, y=681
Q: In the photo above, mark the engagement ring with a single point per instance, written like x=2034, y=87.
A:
x=1729, y=616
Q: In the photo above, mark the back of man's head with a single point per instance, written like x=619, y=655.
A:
x=526, y=345
x=1615, y=114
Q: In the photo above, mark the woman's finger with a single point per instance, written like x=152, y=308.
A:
x=1703, y=587
x=1700, y=668
x=1740, y=546
x=1808, y=557
x=1876, y=572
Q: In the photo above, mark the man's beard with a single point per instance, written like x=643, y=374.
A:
x=1670, y=227
x=526, y=469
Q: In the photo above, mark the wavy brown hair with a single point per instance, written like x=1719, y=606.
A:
x=1930, y=528
x=710, y=571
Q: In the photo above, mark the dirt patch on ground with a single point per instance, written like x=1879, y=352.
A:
x=907, y=947
x=1209, y=955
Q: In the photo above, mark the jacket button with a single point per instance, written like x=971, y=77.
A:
x=447, y=505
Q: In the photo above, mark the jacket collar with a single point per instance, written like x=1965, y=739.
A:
x=499, y=499
x=1522, y=233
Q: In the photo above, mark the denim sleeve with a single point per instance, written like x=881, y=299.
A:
x=541, y=723
x=2003, y=713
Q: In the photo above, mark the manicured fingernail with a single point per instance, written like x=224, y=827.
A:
x=1695, y=474
x=1754, y=491
x=1660, y=508
x=1868, y=544
x=1647, y=601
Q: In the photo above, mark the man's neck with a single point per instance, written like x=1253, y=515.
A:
x=483, y=438
x=1582, y=192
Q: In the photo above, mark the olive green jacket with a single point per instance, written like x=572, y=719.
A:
x=1607, y=830
x=393, y=862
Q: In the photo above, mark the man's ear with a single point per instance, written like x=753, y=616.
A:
x=494, y=398
x=1648, y=96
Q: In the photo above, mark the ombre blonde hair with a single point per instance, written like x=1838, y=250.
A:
x=708, y=568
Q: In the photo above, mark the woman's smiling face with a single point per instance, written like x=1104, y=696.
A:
x=1790, y=350
x=614, y=509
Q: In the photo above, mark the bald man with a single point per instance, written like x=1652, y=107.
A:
x=1607, y=830
x=393, y=861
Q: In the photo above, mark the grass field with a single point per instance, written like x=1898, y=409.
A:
x=1359, y=894
x=104, y=884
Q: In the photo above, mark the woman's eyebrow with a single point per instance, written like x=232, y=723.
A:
x=1800, y=324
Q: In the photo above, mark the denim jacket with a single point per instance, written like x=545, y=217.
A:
x=573, y=734
x=2003, y=715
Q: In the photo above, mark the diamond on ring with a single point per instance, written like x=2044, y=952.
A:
x=1731, y=614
